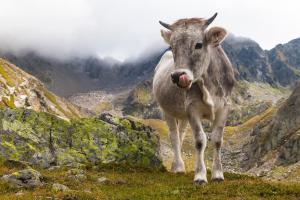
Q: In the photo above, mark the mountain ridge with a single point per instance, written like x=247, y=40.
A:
x=279, y=66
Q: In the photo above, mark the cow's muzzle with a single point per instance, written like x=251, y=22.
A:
x=181, y=79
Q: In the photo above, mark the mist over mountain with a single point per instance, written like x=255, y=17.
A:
x=85, y=74
x=279, y=66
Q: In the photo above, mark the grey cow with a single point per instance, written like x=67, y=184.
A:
x=192, y=82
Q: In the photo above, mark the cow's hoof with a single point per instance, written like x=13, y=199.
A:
x=178, y=168
x=200, y=182
x=217, y=179
x=178, y=171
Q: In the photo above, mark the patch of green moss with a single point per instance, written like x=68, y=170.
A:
x=9, y=102
x=5, y=75
x=10, y=150
x=80, y=141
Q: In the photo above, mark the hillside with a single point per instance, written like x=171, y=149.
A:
x=270, y=142
x=18, y=89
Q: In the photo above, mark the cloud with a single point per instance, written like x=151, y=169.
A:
x=125, y=28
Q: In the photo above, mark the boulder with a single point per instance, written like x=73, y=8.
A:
x=27, y=178
x=56, y=187
x=46, y=140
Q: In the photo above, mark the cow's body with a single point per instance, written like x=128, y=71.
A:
x=201, y=93
x=173, y=101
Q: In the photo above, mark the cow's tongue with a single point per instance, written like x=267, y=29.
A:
x=183, y=80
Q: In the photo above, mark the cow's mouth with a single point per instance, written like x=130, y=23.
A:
x=183, y=81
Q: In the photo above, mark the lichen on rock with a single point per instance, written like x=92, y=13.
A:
x=46, y=140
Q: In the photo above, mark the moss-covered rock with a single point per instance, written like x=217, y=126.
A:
x=44, y=139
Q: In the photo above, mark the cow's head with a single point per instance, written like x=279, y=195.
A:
x=191, y=44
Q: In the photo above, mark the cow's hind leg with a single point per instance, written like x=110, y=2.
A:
x=178, y=164
x=200, y=144
x=217, y=140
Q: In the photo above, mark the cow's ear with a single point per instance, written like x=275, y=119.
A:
x=166, y=35
x=215, y=36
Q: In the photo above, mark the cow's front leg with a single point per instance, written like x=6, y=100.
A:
x=178, y=164
x=182, y=124
x=217, y=140
x=200, y=144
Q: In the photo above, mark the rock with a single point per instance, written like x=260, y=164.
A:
x=16, y=164
x=27, y=178
x=76, y=175
x=20, y=193
x=46, y=140
x=120, y=182
x=56, y=187
x=103, y=180
x=52, y=168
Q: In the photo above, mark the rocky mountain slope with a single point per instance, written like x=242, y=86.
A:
x=271, y=142
x=278, y=66
x=19, y=89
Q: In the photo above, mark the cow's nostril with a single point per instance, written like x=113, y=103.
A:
x=173, y=77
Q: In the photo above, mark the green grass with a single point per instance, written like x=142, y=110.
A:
x=143, y=184
x=5, y=75
x=52, y=98
x=250, y=123
x=9, y=102
x=142, y=95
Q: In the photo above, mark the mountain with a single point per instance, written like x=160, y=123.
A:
x=18, y=89
x=279, y=66
x=78, y=75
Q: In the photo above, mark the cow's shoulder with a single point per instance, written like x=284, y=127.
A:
x=165, y=61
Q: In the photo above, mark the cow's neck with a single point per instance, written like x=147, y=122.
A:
x=211, y=79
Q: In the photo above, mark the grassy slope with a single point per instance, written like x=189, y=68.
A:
x=142, y=184
x=14, y=77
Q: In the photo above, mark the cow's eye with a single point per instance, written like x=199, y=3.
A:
x=198, y=45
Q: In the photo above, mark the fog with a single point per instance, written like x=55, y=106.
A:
x=126, y=28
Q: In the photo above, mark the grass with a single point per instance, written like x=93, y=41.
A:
x=159, y=125
x=5, y=75
x=142, y=184
x=230, y=130
x=142, y=95
x=103, y=106
x=52, y=98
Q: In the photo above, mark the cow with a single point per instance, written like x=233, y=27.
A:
x=192, y=83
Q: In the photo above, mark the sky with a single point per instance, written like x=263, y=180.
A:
x=126, y=28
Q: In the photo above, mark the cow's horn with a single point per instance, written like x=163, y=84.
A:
x=167, y=26
x=210, y=20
